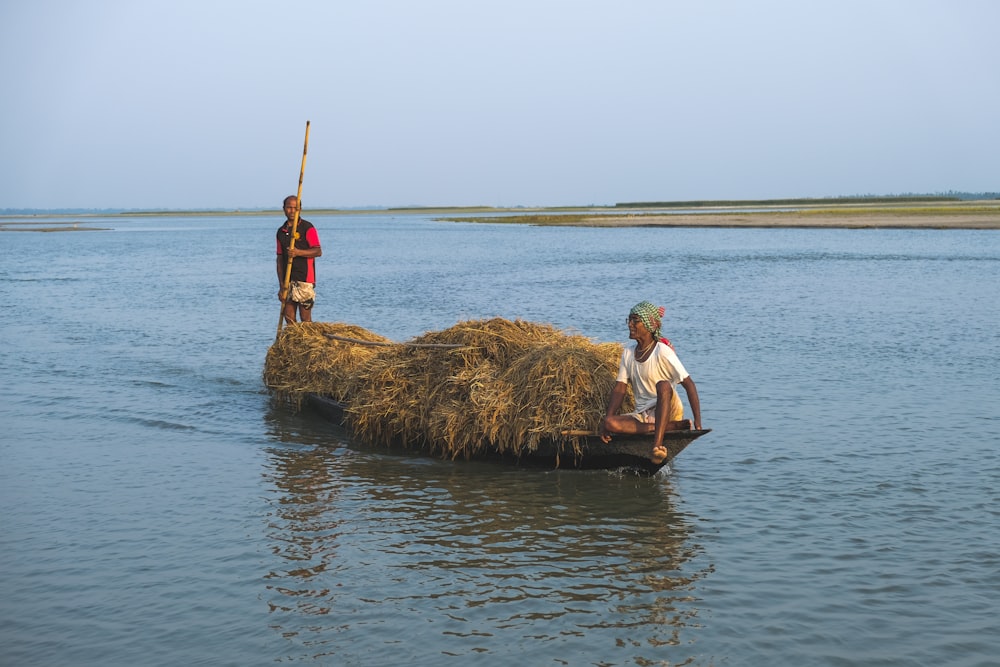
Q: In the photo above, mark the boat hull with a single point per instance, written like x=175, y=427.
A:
x=623, y=452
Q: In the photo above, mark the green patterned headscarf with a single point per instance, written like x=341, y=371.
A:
x=650, y=315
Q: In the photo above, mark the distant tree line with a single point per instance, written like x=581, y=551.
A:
x=951, y=195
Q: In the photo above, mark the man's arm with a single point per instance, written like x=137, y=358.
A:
x=692, y=394
x=281, y=277
x=615, y=401
x=315, y=251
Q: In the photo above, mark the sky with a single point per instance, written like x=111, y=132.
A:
x=182, y=104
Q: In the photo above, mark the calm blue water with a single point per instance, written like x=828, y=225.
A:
x=158, y=509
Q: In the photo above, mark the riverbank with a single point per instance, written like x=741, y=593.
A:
x=974, y=215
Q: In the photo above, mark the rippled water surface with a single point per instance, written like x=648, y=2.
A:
x=158, y=509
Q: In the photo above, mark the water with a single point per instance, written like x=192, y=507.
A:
x=158, y=509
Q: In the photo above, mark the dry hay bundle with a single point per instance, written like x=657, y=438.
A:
x=509, y=385
x=420, y=395
x=305, y=360
x=384, y=405
x=549, y=389
x=481, y=386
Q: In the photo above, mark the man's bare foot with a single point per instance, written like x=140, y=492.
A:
x=660, y=454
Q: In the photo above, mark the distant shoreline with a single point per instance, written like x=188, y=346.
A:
x=808, y=219
x=972, y=214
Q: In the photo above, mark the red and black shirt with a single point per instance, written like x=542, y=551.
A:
x=303, y=268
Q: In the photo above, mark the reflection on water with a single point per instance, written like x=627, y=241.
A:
x=388, y=552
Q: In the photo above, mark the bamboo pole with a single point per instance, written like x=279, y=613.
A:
x=295, y=235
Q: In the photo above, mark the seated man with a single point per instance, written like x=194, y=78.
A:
x=653, y=370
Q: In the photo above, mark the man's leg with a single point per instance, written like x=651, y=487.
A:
x=629, y=425
x=626, y=424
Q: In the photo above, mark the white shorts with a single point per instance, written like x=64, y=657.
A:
x=303, y=294
x=675, y=414
x=647, y=417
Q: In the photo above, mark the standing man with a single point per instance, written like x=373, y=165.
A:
x=303, y=253
x=653, y=370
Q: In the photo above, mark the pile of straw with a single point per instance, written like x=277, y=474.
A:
x=304, y=359
x=486, y=386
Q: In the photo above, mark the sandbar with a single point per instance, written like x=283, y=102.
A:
x=976, y=215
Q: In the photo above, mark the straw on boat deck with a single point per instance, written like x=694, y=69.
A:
x=481, y=386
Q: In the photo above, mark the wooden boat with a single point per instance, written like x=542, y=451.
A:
x=624, y=452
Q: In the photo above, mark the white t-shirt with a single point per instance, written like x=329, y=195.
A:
x=661, y=364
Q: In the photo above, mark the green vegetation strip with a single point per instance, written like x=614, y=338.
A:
x=789, y=202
